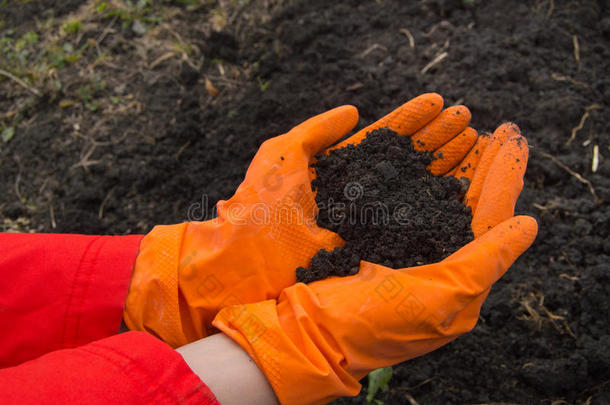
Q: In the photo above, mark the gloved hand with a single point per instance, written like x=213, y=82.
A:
x=185, y=273
x=316, y=341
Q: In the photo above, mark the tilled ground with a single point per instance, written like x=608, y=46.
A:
x=117, y=131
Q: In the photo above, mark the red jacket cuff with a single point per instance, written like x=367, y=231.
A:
x=99, y=289
x=61, y=291
x=132, y=368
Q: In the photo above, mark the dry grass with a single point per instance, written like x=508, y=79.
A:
x=538, y=315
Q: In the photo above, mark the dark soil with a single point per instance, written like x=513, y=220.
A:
x=379, y=197
x=544, y=331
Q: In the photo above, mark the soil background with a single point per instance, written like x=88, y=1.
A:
x=149, y=113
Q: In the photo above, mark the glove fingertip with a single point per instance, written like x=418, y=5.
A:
x=502, y=185
x=448, y=155
x=508, y=128
x=528, y=226
x=325, y=129
x=404, y=120
x=445, y=126
x=498, y=138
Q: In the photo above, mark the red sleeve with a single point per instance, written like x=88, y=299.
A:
x=131, y=368
x=61, y=291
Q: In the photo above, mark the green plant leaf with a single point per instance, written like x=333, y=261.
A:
x=72, y=27
x=30, y=37
x=20, y=44
x=8, y=134
x=378, y=379
x=101, y=7
x=92, y=106
x=263, y=85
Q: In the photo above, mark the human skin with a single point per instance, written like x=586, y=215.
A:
x=228, y=371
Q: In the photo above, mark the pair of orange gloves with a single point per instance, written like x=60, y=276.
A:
x=236, y=273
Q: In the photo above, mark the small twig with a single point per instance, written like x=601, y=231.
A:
x=408, y=34
x=564, y=78
x=573, y=173
x=19, y=81
x=565, y=256
x=122, y=137
x=426, y=381
x=85, y=162
x=534, y=316
x=443, y=24
x=17, y=192
x=111, y=66
x=224, y=79
x=596, y=387
x=459, y=101
x=371, y=49
x=10, y=114
x=106, y=31
x=434, y=62
x=162, y=59
x=540, y=207
x=595, y=161
x=221, y=69
x=134, y=104
x=174, y=33
x=554, y=318
x=411, y=400
x=100, y=213
x=578, y=127
x=582, y=121
x=18, y=179
x=551, y=205
x=354, y=87
x=551, y=8
x=43, y=186
x=576, y=50
x=182, y=149
x=52, y=214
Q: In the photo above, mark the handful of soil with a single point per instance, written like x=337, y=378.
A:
x=379, y=197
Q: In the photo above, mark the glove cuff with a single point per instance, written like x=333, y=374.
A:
x=301, y=365
x=153, y=300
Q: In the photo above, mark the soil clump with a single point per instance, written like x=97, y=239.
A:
x=379, y=197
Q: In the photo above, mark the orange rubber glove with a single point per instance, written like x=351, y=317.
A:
x=318, y=340
x=186, y=273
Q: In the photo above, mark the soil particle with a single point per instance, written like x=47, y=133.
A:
x=379, y=197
